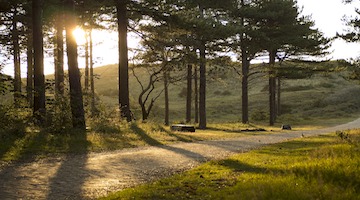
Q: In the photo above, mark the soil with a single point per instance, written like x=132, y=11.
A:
x=97, y=174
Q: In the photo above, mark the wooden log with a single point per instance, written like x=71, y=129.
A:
x=182, y=128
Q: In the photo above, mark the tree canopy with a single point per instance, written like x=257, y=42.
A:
x=174, y=32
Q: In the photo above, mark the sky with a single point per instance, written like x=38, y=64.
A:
x=327, y=15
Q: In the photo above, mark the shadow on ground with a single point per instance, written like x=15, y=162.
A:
x=70, y=177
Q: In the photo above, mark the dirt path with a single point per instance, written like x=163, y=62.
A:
x=97, y=174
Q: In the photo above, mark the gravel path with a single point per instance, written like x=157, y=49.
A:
x=96, y=174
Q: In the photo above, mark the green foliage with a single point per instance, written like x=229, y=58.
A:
x=258, y=115
x=58, y=112
x=4, y=83
x=14, y=120
x=58, y=115
x=323, y=167
x=298, y=95
x=353, y=23
x=106, y=121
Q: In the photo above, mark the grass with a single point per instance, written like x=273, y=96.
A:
x=30, y=143
x=307, y=104
x=104, y=136
x=322, y=96
x=324, y=167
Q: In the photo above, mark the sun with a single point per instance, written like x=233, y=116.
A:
x=79, y=34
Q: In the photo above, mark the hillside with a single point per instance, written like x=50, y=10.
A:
x=323, y=96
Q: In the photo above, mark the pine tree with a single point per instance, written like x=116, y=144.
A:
x=122, y=18
x=282, y=30
x=39, y=80
x=76, y=98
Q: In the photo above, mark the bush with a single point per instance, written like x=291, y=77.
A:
x=58, y=115
x=258, y=115
x=106, y=122
x=14, y=120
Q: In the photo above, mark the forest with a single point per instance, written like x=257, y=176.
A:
x=235, y=70
x=187, y=49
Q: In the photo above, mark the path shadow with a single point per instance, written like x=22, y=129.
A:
x=251, y=129
x=70, y=177
x=153, y=142
x=27, y=178
x=187, y=138
x=238, y=166
x=16, y=144
x=9, y=140
x=144, y=136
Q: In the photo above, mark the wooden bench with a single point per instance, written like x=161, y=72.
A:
x=182, y=128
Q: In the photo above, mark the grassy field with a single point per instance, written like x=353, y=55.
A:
x=324, y=167
x=106, y=135
x=322, y=100
x=321, y=97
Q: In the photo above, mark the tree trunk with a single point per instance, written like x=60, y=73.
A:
x=17, y=67
x=92, y=83
x=272, y=88
x=166, y=94
x=245, y=89
x=86, y=62
x=189, y=94
x=202, y=92
x=30, y=71
x=76, y=98
x=144, y=111
x=39, y=79
x=278, y=96
x=245, y=76
x=124, y=104
x=59, y=52
x=196, y=95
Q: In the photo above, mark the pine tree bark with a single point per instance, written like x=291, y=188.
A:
x=245, y=89
x=86, y=82
x=245, y=75
x=166, y=95
x=272, y=88
x=278, y=106
x=189, y=94
x=76, y=98
x=124, y=104
x=59, y=52
x=92, y=83
x=30, y=70
x=196, y=96
x=17, y=67
x=202, y=89
x=39, y=79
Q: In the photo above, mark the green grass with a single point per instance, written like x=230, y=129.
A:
x=102, y=136
x=323, y=97
x=324, y=167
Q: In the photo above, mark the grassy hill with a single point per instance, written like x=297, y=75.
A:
x=321, y=97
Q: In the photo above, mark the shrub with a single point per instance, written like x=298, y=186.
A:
x=258, y=115
x=14, y=120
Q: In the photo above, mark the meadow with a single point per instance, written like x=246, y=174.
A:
x=323, y=167
x=320, y=99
